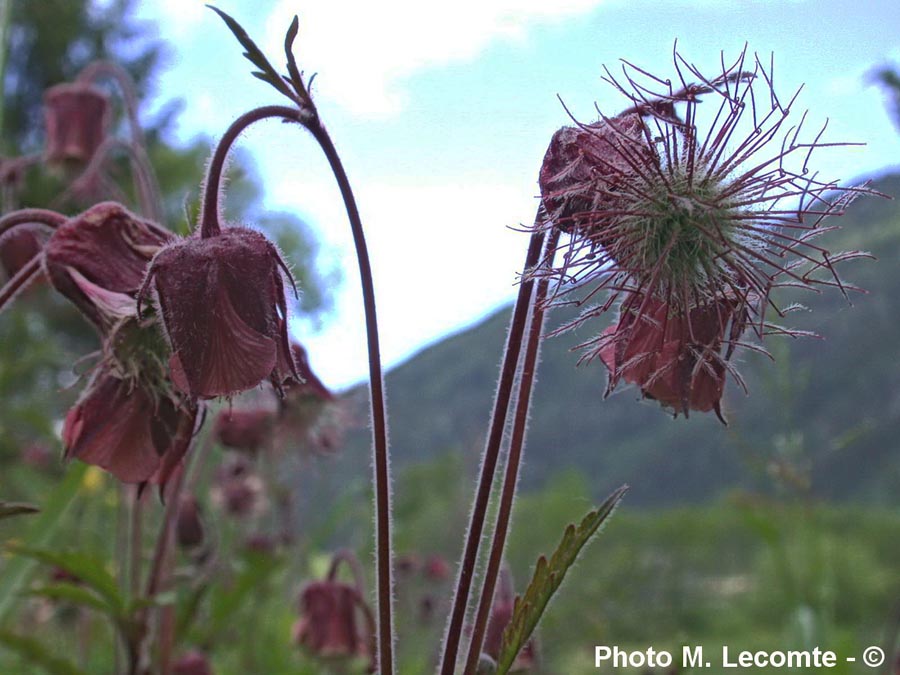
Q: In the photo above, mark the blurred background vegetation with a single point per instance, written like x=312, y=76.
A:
x=779, y=531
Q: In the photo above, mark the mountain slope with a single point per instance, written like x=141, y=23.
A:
x=827, y=412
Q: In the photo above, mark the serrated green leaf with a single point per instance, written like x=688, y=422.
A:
x=77, y=595
x=37, y=653
x=8, y=509
x=547, y=578
x=253, y=53
x=89, y=570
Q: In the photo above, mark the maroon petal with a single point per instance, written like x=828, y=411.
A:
x=109, y=246
x=76, y=117
x=227, y=357
x=110, y=428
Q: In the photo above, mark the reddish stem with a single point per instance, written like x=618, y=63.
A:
x=209, y=227
x=491, y=455
x=384, y=570
x=511, y=479
x=209, y=216
x=19, y=280
x=46, y=217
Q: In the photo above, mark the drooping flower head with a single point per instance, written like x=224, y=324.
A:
x=222, y=303
x=192, y=663
x=100, y=257
x=128, y=429
x=689, y=216
x=329, y=626
x=76, y=118
x=245, y=429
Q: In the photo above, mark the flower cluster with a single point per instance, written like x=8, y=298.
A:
x=689, y=230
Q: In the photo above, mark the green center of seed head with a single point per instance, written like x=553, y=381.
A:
x=687, y=228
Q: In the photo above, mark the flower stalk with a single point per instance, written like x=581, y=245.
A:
x=527, y=375
x=491, y=455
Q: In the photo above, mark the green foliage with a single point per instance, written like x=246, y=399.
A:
x=9, y=509
x=14, y=574
x=254, y=54
x=87, y=569
x=548, y=577
x=36, y=653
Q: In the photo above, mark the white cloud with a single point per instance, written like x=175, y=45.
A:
x=442, y=256
x=367, y=49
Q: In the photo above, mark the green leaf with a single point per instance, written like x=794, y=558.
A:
x=37, y=653
x=89, y=570
x=548, y=576
x=8, y=509
x=77, y=595
x=254, y=55
x=42, y=528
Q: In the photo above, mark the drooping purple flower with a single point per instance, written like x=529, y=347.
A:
x=223, y=307
x=247, y=430
x=76, y=118
x=329, y=626
x=107, y=248
x=676, y=211
x=123, y=427
x=192, y=663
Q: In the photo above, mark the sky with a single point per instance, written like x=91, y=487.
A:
x=442, y=113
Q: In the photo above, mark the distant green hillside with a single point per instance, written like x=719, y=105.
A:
x=828, y=410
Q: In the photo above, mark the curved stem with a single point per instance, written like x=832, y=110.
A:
x=209, y=216
x=20, y=280
x=490, y=457
x=51, y=219
x=97, y=69
x=209, y=226
x=346, y=556
x=511, y=479
x=384, y=571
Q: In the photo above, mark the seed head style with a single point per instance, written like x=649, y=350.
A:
x=675, y=209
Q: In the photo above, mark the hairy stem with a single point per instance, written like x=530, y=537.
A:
x=384, y=572
x=490, y=458
x=511, y=479
x=209, y=216
x=45, y=217
x=209, y=226
x=19, y=281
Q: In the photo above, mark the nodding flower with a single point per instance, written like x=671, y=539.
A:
x=679, y=214
x=127, y=428
x=100, y=257
x=76, y=119
x=223, y=307
x=330, y=611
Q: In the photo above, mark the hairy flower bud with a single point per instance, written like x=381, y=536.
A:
x=76, y=117
x=224, y=310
